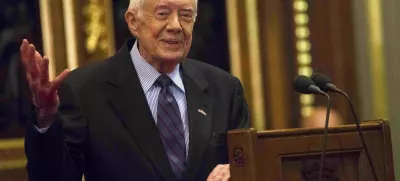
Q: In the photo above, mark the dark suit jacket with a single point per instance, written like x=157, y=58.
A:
x=104, y=127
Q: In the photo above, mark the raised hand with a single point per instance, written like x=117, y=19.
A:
x=44, y=91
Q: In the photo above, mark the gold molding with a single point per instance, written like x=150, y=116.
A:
x=256, y=82
x=234, y=39
x=15, y=143
x=89, y=31
x=12, y=144
x=110, y=26
x=13, y=164
x=93, y=14
x=53, y=35
x=47, y=35
x=70, y=33
x=98, y=28
x=377, y=62
x=244, y=50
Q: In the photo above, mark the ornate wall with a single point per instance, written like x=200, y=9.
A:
x=273, y=41
x=19, y=19
x=265, y=43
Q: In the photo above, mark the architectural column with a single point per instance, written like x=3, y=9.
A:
x=391, y=29
x=244, y=45
x=378, y=61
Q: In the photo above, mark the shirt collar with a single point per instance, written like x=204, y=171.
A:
x=148, y=74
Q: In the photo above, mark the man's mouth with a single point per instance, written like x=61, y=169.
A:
x=171, y=41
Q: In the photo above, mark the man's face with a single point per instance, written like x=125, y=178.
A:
x=164, y=29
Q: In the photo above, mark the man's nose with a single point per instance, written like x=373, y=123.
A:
x=174, y=26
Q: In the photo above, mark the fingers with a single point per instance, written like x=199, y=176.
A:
x=55, y=84
x=30, y=58
x=220, y=173
x=44, y=68
x=28, y=54
x=23, y=50
x=44, y=93
x=38, y=60
x=33, y=65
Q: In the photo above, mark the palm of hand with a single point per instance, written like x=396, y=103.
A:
x=44, y=91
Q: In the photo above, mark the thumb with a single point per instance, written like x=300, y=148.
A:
x=55, y=84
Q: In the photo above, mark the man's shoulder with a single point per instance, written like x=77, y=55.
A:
x=94, y=71
x=210, y=72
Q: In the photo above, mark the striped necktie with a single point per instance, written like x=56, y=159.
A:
x=170, y=125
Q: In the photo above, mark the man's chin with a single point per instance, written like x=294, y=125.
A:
x=172, y=57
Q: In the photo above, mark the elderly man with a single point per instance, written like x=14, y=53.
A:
x=146, y=113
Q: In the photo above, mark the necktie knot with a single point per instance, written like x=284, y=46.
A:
x=163, y=80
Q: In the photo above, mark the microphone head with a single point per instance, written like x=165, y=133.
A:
x=302, y=84
x=321, y=81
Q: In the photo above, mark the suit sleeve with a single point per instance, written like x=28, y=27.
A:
x=241, y=115
x=58, y=154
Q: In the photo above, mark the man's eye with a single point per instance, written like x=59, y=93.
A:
x=162, y=13
x=187, y=15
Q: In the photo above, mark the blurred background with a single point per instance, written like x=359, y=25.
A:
x=265, y=43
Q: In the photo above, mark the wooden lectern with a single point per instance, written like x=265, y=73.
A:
x=294, y=154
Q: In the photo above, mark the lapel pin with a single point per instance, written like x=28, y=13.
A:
x=202, y=112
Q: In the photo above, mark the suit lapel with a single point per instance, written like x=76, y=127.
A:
x=129, y=102
x=199, y=106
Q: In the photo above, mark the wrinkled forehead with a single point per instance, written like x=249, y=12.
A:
x=152, y=4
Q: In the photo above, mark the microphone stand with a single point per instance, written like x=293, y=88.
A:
x=359, y=132
x=325, y=134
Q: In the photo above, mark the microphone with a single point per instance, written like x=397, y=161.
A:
x=305, y=85
x=324, y=83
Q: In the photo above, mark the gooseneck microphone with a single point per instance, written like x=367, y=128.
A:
x=324, y=83
x=305, y=85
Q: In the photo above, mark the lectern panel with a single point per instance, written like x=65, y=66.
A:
x=337, y=166
x=294, y=154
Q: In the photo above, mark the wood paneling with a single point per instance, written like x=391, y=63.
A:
x=14, y=175
x=248, y=66
x=332, y=52
x=277, y=48
x=295, y=153
x=332, y=40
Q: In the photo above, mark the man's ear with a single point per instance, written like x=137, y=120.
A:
x=131, y=18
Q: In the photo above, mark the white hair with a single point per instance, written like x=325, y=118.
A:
x=138, y=4
x=135, y=4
